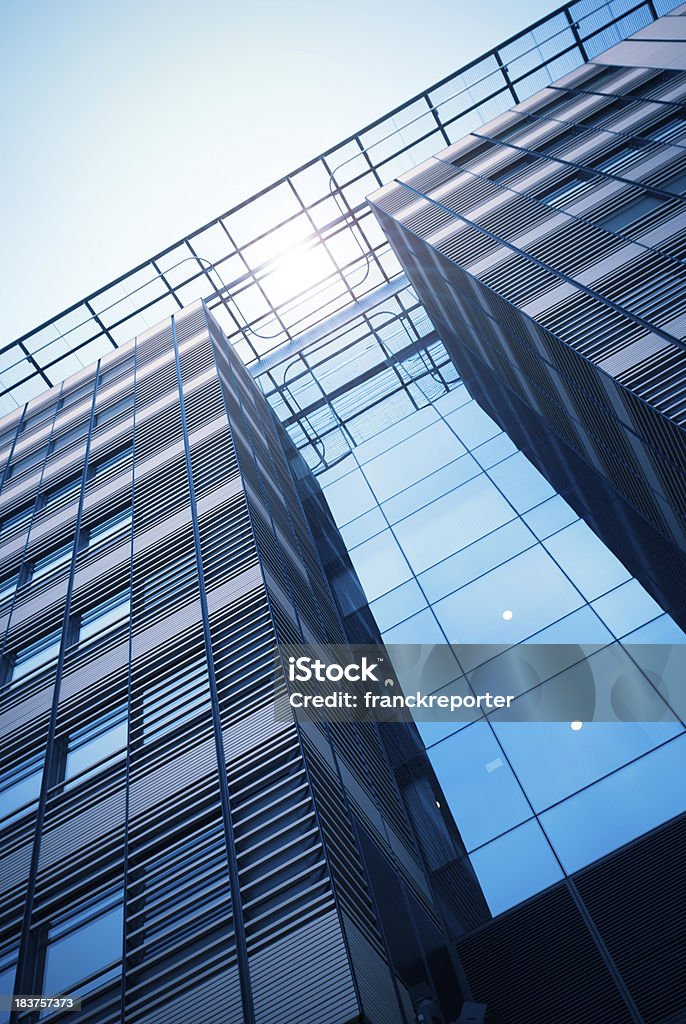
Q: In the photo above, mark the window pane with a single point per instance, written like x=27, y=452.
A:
x=110, y=527
x=89, y=949
x=515, y=866
x=625, y=805
x=105, y=617
x=38, y=656
x=19, y=787
x=47, y=564
x=100, y=740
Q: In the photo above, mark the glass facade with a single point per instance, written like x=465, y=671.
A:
x=124, y=529
x=457, y=538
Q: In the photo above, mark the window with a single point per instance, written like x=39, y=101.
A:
x=62, y=494
x=46, y=565
x=69, y=437
x=37, y=657
x=32, y=419
x=114, y=526
x=630, y=212
x=29, y=461
x=8, y=967
x=16, y=521
x=514, y=167
x=111, y=411
x=19, y=788
x=83, y=951
x=77, y=395
x=8, y=586
x=95, y=746
x=114, y=370
x=569, y=191
x=105, y=617
x=112, y=462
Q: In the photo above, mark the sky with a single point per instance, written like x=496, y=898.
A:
x=128, y=124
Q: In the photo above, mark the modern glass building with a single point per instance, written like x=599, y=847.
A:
x=455, y=533
x=171, y=849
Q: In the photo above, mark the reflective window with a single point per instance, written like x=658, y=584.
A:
x=68, y=437
x=476, y=559
x=8, y=967
x=111, y=462
x=549, y=517
x=84, y=950
x=8, y=586
x=46, y=565
x=521, y=483
x=552, y=760
x=416, y=457
x=398, y=604
x=37, y=657
x=16, y=521
x=78, y=393
x=425, y=491
x=626, y=608
x=29, y=461
x=380, y=564
x=19, y=787
x=111, y=411
x=113, y=526
x=530, y=586
x=452, y=522
x=105, y=617
x=349, y=497
x=472, y=425
x=620, y=807
x=92, y=748
x=484, y=795
x=515, y=866
x=586, y=560
x=63, y=493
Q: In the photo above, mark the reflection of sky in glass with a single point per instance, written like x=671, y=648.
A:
x=457, y=537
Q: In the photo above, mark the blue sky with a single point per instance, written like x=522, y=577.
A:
x=128, y=124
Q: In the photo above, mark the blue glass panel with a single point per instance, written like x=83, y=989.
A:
x=349, y=497
x=19, y=787
x=620, y=807
x=431, y=487
x=100, y=741
x=552, y=760
x=475, y=560
x=387, y=438
x=549, y=517
x=417, y=456
x=521, y=483
x=581, y=627
x=494, y=451
x=515, y=866
x=663, y=630
x=452, y=522
x=380, y=565
x=84, y=951
x=455, y=399
x=586, y=560
x=626, y=608
x=398, y=604
x=531, y=586
x=484, y=795
x=472, y=425
x=419, y=629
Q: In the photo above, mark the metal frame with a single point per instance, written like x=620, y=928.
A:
x=314, y=220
